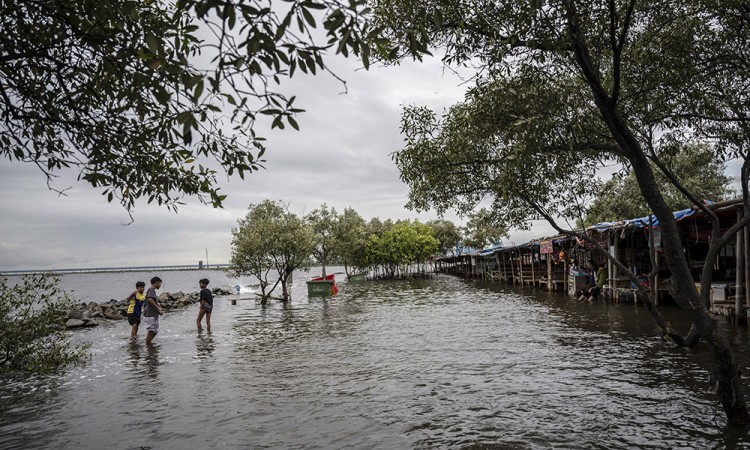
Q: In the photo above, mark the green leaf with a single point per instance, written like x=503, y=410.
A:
x=198, y=90
x=153, y=43
x=308, y=17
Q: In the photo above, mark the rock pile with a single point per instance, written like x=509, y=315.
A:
x=93, y=314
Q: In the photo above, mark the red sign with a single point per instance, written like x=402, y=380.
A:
x=545, y=247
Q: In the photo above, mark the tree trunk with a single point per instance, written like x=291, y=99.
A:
x=725, y=373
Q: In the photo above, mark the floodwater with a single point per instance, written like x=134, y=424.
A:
x=440, y=363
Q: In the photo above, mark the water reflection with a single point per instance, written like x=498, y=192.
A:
x=204, y=345
x=134, y=352
x=152, y=362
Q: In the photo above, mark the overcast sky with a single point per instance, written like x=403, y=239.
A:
x=341, y=157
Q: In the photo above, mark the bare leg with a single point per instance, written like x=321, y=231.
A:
x=208, y=321
x=133, y=331
x=150, y=337
x=200, y=317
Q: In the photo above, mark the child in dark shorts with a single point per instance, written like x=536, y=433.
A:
x=135, y=303
x=207, y=304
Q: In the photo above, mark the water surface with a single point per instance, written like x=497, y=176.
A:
x=439, y=363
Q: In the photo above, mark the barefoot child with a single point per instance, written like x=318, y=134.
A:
x=207, y=304
x=135, y=303
x=152, y=311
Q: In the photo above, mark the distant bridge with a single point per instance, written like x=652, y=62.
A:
x=118, y=269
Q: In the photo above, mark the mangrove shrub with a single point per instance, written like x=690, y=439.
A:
x=32, y=317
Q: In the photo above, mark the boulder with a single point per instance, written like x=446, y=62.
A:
x=90, y=323
x=75, y=323
x=112, y=313
x=75, y=314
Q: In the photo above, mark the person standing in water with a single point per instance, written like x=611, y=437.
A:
x=152, y=311
x=207, y=304
x=135, y=303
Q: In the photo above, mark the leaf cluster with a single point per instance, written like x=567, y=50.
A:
x=148, y=100
x=564, y=89
x=699, y=169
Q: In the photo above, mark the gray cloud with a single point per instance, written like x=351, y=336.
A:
x=341, y=157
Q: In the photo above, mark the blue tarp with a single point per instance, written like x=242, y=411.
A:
x=641, y=222
x=678, y=215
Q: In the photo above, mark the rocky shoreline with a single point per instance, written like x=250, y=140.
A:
x=93, y=314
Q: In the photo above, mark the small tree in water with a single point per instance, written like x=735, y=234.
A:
x=270, y=240
x=351, y=234
x=32, y=337
x=323, y=222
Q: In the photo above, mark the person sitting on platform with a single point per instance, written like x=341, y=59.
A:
x=583, y=293
x=601, y=279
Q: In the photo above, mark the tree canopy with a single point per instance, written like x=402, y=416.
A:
x=269, y=244
x=482, y=230
x=323, y=222
x=351, y=234
x=699, y=170
x=565, y=87
x=404, y=244
x=447, y=234
x=150, y=99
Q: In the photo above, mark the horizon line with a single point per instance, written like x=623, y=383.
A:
x=115, y=269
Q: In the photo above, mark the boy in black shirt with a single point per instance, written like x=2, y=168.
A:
x=207, y=304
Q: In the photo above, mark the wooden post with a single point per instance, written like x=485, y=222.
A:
x=550, y=283
x=747, y=269
x=533, y=273
x=739, y=279
x=512, y=268
x=615, y=270
x=567, y=276
x=520, y=266
x=656, y=280
x=505, y=275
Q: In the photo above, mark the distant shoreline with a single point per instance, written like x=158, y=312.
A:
x=114, y=269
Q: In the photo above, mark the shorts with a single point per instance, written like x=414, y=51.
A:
x=134, y=319
x=152, y=324
x=208, y=307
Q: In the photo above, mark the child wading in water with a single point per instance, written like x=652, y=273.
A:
x=152, y=311
x=207, y=304
x=135, y=303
